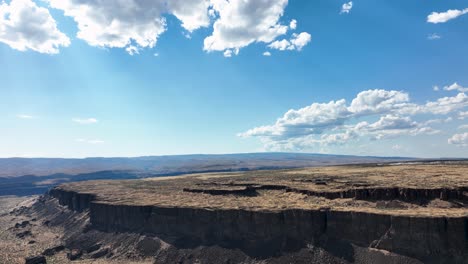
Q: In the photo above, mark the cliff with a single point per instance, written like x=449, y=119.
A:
x=271, y=214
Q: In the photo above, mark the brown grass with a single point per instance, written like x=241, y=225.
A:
x=168, y=192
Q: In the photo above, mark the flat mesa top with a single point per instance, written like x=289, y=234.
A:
x=419, y=189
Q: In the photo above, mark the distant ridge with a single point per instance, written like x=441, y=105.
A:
x=28, y=176
x=14, y=167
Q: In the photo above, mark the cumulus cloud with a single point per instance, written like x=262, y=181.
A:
x=456, y=87
x=85, y=121
x=115, y=24
x=346, y=7
x=132, y=50
x=459, y=140
x=443, y=17
x=26, y=26
x=444, y=105
x=267, y=53
x=463, y=115
x=392, y=122
x=137, y=24
x=241, y=23
x=229, y=52
x=338, y=122
x=297, y=42
x=293, y=24
x=378, y=101
x=312, y=119
x=193, y=14
x=300, y=40
x=283, y=44
x=130, y=24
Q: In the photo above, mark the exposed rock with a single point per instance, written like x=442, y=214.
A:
x=36, y=260
x=264, y=233
x=24, y=234
x=220, y=216
x=93, y=248
x=391, y=204
x=52, y=251
x=22, y=224
x=74, y=254
x=148, y=246
x=100, y=253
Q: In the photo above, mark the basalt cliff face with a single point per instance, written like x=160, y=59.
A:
x=351, y=214
x=263, y=234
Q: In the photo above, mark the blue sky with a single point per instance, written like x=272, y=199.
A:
x=69, y=86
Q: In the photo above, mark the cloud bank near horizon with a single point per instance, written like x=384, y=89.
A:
x=372, y=115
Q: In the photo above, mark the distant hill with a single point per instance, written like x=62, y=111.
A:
x=14, y=167
x=27, y=176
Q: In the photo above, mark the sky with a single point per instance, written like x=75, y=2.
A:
x=88, y=78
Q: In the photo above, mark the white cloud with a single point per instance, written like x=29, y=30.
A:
x=267, y=53
x=241, y=23
x=438, y=121
x=130, y=24
x=459, y=140
x=312, y=119
x=436, y=88
x=378, y=101
x=337, y=139
x=446, y=105
x=337, y=122
x=90, y=141
x=22, y=116
x=132, y=50
x=392, y=122
x=293, y=24
x=26, y=26
x=229, y=52
x=346, y=7
x=85, y=121
x=433, y=36
x=297, y=42
x=115, y=24
x=300, y=40
x=193, y=14
x=463, y=127
x=281, y=45
x=137, y=24
x=443, y=17
x=456, y=87
x=463, y=115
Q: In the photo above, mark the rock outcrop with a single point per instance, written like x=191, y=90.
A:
x=268, y=233
x=357, y=214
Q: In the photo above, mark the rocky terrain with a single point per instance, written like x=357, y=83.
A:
x=388, y=213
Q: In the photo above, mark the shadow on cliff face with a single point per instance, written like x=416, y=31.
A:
x=259, y=249
x=82, y=241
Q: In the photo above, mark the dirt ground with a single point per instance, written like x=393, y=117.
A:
x=36, y=237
